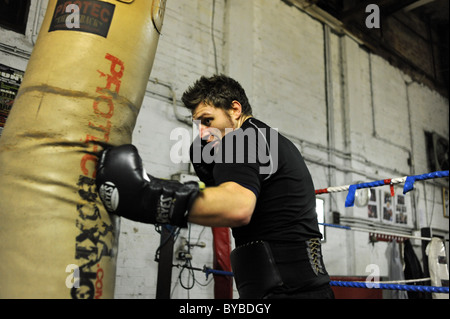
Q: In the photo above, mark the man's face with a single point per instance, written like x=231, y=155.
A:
x=213, y=122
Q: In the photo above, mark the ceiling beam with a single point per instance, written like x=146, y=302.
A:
x=416, y=4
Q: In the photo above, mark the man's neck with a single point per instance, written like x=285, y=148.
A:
x=241, y=121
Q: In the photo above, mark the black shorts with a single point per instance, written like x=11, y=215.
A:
x=324, y=292
x=281, y=270
x=301, y=267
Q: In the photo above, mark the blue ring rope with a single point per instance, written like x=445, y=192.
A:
x=409, y=184
x=336, y=226
x=209, y=271
x=371, y=285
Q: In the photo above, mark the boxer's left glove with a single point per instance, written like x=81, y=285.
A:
x=128, y=191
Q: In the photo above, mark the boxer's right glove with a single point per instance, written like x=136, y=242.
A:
x=126, y=190
x=203, y=170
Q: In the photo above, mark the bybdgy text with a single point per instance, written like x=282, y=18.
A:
x=232, y=308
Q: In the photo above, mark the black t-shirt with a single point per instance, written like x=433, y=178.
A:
x=262, y=160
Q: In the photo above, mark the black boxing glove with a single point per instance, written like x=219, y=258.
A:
x=128, y=191
x=203, y=170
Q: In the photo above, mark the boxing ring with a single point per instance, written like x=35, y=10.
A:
x=400, y=285
x=349, y=202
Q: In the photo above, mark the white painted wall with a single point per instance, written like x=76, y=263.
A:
x=277, y=53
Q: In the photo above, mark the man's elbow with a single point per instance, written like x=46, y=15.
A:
x=240, y=205
x=241, y=217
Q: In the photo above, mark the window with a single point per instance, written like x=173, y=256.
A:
x=320, y=210
x=14, y=14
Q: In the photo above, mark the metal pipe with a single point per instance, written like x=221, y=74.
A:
x=329, y=106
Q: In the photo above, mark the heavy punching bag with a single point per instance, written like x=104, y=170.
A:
x=82, y=91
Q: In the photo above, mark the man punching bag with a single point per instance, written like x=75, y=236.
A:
x=82, y=91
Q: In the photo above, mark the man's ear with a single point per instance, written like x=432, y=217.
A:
x=236, y=109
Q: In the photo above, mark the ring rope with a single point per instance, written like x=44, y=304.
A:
x=209, y=271
x=406, y=281
x=407, y=180
x=375, y=231
x=372, y=285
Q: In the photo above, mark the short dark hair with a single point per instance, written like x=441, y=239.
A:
x=218, y=90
